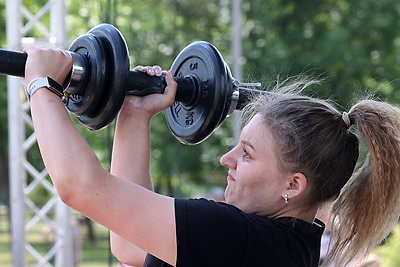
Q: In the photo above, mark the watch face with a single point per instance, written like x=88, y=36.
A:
x=53, y=86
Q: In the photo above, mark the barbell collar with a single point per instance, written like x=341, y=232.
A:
x=246, y=95
x=243, y=93
x=77, y=79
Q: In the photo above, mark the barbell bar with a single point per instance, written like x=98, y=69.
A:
x=101, y=78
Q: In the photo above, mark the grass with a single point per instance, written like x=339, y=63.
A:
x=93, y=254
x=5, y=254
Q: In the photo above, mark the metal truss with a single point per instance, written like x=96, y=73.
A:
x=31, y=219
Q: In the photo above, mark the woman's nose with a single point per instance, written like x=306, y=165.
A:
x=227, y=160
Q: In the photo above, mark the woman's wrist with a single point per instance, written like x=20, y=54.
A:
x=45, y=83
x=134, y=120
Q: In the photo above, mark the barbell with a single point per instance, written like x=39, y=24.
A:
x=101, y=78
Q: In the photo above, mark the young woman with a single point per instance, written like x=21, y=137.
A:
x=294, y=154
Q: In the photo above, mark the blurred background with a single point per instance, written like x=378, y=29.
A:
x=353, y=46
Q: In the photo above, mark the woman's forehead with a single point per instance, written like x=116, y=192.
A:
x=256, y=132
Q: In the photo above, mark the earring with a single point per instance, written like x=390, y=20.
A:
x=286, y=198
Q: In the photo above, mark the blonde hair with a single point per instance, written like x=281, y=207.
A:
x=368, y=206
x=313, y=138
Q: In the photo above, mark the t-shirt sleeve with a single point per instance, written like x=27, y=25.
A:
x=209, y=233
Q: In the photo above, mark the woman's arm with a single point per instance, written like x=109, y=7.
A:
x=131, y=157
x=126, y=208
x=130, y=137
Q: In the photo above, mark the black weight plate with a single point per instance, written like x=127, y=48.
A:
x=90, y=92
x=193, y=124
x=228, y=89
x=116, y=78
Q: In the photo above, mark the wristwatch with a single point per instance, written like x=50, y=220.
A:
x=44, y=82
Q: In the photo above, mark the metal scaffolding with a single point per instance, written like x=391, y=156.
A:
x=27, y=177
x=237, y=58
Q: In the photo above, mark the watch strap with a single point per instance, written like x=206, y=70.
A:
x=44, y=82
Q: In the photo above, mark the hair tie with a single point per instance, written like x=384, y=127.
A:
x=346, y=119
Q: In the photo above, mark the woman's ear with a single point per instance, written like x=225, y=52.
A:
x=297, y=185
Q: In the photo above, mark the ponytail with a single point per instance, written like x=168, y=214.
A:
x=368, y=205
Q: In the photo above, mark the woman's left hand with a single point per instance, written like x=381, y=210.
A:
x=153, y=103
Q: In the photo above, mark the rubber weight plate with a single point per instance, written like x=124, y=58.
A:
x=191, y=124
x=90, y=92
x=108, y=76
x=229, y=93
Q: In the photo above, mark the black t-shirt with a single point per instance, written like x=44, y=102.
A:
x=217, y=234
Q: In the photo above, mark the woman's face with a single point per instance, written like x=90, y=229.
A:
x=255, y=182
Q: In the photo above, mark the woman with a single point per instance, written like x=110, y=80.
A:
x=295, y=154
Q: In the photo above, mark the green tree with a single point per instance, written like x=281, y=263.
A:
x=350, y=44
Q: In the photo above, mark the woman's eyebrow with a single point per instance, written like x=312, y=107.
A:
x=247, y=143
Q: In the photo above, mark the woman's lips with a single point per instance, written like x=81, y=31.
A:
x=230, y=178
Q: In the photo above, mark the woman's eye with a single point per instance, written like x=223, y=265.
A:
x=246, y=154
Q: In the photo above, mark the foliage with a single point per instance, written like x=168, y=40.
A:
x=350, y=44
x=389, y=252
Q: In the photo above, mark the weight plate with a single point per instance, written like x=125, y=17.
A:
x=229, y=94
x=111, y=93
x=91, y=91
x=193, y=124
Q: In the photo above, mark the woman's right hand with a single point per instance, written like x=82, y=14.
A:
x=42, y=62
